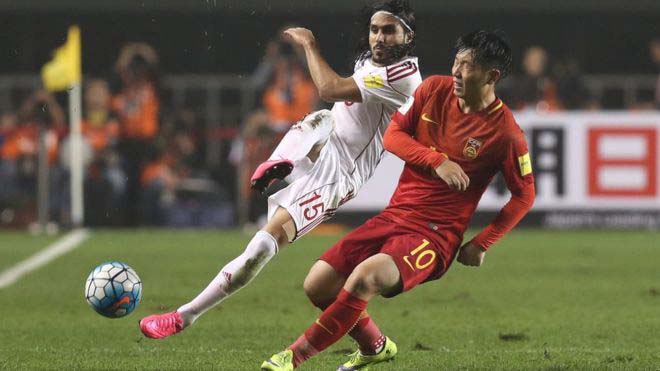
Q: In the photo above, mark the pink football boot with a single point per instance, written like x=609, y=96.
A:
x=269, y=171
x=160, y=326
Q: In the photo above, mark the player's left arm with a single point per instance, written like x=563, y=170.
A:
x=517, y=171
x=331, y=86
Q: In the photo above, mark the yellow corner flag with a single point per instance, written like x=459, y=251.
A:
x=64, y=69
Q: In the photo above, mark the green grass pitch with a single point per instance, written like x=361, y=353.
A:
x=542, y=300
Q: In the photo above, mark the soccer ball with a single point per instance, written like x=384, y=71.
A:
x=113, y=289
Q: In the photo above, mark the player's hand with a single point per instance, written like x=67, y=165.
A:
x=453, y=175
x=300, y=36
x=471, y=255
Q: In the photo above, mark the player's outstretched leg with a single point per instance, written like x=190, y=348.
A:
x=232, y=277
x=293, y=148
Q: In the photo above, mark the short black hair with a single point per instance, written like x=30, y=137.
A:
x=401, y=9
x=489, y=49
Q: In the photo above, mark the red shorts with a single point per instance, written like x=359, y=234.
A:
x=420, y=257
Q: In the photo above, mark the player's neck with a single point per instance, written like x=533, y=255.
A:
x=477, y=103
x=386, y=63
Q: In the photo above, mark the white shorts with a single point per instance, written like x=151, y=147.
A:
x=316, y=196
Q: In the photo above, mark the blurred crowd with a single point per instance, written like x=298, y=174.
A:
x=145, y=162
x=654, y=50
x=134, y=156
x=546, y=83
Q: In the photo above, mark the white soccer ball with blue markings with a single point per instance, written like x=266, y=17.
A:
x=113, y=289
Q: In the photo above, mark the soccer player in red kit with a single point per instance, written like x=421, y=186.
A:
x=455, y=135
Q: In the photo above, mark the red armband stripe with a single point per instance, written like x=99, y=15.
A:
x=404, y=75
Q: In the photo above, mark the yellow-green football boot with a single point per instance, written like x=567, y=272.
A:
x=282, y=361
x=362, y=362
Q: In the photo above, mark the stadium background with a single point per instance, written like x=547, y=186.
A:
x=569, y=294
x=598, y=57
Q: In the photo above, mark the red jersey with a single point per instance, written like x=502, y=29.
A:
x=431, y=128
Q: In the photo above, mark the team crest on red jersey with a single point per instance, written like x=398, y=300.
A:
x=471, y=149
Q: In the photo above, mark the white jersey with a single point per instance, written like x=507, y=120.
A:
x=359, y=127
x=354, y=148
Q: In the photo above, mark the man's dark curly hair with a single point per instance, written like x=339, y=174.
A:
x=489, y=49
x=400, y=8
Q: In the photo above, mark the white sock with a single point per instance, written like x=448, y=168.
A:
x=299, y=140
x=232, y=277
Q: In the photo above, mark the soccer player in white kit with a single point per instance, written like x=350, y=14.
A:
x=326, y=157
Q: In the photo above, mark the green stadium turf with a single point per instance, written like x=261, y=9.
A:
x=16, y=246
x=543, y=300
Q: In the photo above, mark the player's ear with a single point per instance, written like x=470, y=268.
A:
x=494, y=76
x=409, y=36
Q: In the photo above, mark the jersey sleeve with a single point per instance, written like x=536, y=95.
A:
x=390, y=85
x=517, y=165
x=399, y=136
x=517, y=171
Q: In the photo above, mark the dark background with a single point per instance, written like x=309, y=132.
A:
x=210, y=36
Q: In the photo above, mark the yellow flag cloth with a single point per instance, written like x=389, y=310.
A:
x=64, y=69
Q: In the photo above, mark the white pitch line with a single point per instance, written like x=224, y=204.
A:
x=43, y=257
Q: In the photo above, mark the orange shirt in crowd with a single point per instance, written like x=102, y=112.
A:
x=24, y=141
x=159, y=169
x=302, y=100
x=138, y=112
x=100, y=131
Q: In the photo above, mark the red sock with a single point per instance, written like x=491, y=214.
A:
x=302, y=351
x=366, y=333
x=331, y=326
x=368, y=336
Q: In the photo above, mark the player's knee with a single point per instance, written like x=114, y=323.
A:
x=310, y=286
x=364, y=281
x=315, y=293
x=318, y=292
x=310, y=290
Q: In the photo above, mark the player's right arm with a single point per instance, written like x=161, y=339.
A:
x=331, y=86
x=399, y=140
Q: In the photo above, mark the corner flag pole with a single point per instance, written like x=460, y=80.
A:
x=64, y=71
x=76, y=166
x=75, y=114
